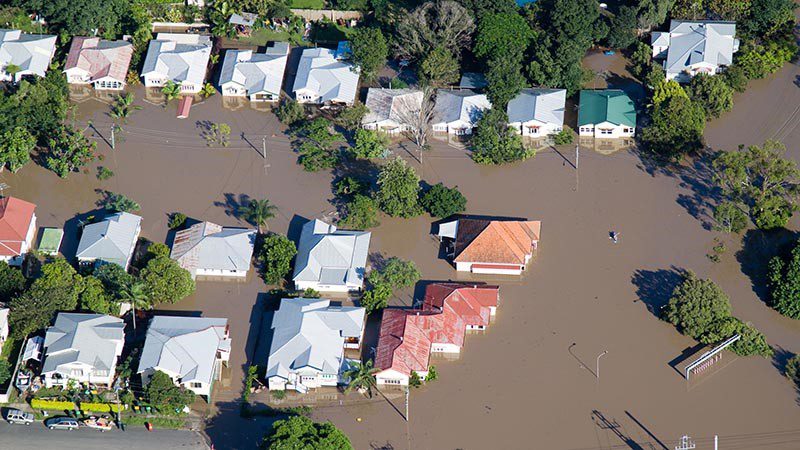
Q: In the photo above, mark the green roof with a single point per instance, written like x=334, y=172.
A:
x=51, y=240
x=609, y=105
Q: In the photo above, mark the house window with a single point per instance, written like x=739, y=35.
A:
x=76, y=372
x=606, y=131
x=195, y=385
x=392, y=381
x=587, y=129
x=627, y=130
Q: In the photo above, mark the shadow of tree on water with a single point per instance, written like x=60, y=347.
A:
x=758, y=248
x=655, y=287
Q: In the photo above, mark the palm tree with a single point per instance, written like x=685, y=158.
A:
x=207, y=90
x=171, y=90
x=135, y=293
x=361, y=376
x=124, y=106
x=258, y=212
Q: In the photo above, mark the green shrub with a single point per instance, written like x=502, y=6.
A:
x=104, y=173
x=442, y=201
x=793, y=369
x=176, y=220
x=564, y=137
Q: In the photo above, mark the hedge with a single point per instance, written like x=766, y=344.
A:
x=70, y=406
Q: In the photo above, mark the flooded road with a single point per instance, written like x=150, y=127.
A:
x=522, y=384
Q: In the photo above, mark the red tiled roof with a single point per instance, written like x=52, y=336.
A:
x=99, y=60
x=15, y=219
x=496, y=241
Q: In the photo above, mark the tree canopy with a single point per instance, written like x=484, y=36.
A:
x=443, y=24
x=369, y=51
x=166, y=281
x=168, y=398
x=442, y=201
x=301, y=433
x=398, y=189
x=495, y=143
x=276, y=255
x=784, y=283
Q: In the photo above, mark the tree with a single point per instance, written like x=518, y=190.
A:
x=792, y=370
x=376, y=298
x=502, y=36
x=80, y=17
x=736, y=78
x=94, y=297
x=641, y=59
x=300, y=432
x=713, y=93
x=56, y=289
x=218, y=134
x=16, y=145
x=176, y=220
x=653, y=12
x=5, y=371
x=439, y=68
x=118, y=202
x=432, y=375
x=350, y=117
x=171, y=90
x=12, y=282
x=729, y=217
x=484, y=8
x=695, y=306
x=442, y=23
x=258, y=212
x=770, y=17
x=442, y=201
x=350, y=186
x=290, y=111
x=396, y=274
x=495, y=143
x=157, y=249
x=69, y=150
x=398, y=189
x=757, y=60
x=760, y=178
x=415, y=380
x=124, y=107
x=368, y=50
x=417, y=116
x=622, y=32
x=677, y=127
x=361, y=212
x=135, y=293
x=369, y=144
x=360, y=376
x=114, y=278
x=165, y=281
x=315, y=145
x=208, y=89
x=168, y=398
x=276, y=256
x=732, y=10
x=504, y=81
x=783, y=281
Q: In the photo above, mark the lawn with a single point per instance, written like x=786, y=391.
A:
x=263, y=36
x=307, y=4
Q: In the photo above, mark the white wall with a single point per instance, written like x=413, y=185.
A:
x=597, y=130
x=438, y=347
x=303, y=285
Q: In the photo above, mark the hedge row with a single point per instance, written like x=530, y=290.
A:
x=70, y=406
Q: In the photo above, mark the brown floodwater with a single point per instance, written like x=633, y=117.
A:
x=522, y=384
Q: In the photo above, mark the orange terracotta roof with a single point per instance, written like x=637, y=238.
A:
x=15, y=219
x=496, y=241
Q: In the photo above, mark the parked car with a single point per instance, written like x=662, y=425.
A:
x=16, y=416
x=62, y=423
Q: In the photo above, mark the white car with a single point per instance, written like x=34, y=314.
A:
x=16, y=416
x=62, y=423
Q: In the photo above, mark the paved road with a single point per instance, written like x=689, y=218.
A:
x=36, y=436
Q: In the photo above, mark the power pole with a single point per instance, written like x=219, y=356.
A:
x=113, y=141
x=716, y=442
x=686, y=443
x=577, y=155
x=408, y=389
x=264, y=148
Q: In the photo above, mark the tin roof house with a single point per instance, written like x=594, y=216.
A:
x=101, y=63
x=17, y=229
x=258, y=76
x=323, y=79
x=537, y=112
x=457, y=111
x=330, y=260
x=606, y=113
x=208, y=249
x=28, y=54
x=392, y=111
x=180, y=58
x=110, y=241
x=695, y=47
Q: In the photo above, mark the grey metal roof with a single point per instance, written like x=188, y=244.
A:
x=90, y=339
x=111, y=240
x=472, y=80
x=245, y=19
x=184, y=346
x=31, y=52
x=543, y=105
x=695, y=42
x=256, y=72
x=318, y=71
x=179, y=57
x=310, y=333
x=459, y=105
x=331, y=256
x=391, y=104
x=206, y=245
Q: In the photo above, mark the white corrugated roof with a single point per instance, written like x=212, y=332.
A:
x=320, y=72
x=178, y=57
x=91, y=339
x=30, y=52
x=111, y=240
x=459, y=105
x=543, y=105
x=256, y=72
x=392, y=104
x=331, y=256
x=691, y=43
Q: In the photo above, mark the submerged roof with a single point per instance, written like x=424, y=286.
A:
x=459, y=105
x=91, y=339
x=311, y=333
x=30, y=52
x=606, y=105
x=206, y=245
x=111, y=240
x=185, y=346
x=331, y=256
x=256, y=72
x=693, y=42
x=15, y=219
x=100, y=58
x=320, y=72
x=179, y=57
x=398, y=105
x=495, y=241
x=542, y=105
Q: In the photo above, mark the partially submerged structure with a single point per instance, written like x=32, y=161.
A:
x=257, y=76
x=690, y=48
x=208, y=249
x=537, y=112
x=17, y=229
x=458, y=111
x=323, y=79
x=179, y=58
x=110, y=241
x=392, y=111
x=98, y=62
x=330, y=260
x=23, y=54
x=606, y=113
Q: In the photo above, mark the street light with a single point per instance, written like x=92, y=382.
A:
x=597, y=371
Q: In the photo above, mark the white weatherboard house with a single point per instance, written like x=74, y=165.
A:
x=207, y=249
x=606, y=114
x=180, y=58
x=29, y=54
x=103, y=64
x=258, y=76
x=111, y=240
x=458, y=111
x=83, y=348
x=330, y=260
x=537, y=112
x=308, y=342
x=322, y=79
x=391, y=111
x=191, y=350
x=690, y=48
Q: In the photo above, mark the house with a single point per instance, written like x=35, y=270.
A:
x=208, y=249
x=537, y=112
x=330, y=260
x=190, y=350
x=83, y=348
x=693, y=47
x=322, y=79
x=473, y=80
x=180, y=58
x=111, y=240
x=258, y=76
x=501, y=247
x=408, y=337
x=17, y=229
x=392, y=111
x=458, y=111
x=103, y=64
x=3, y=326
x=28, y=54
x=308, y=342
x=607, y=113
x=243, y=22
